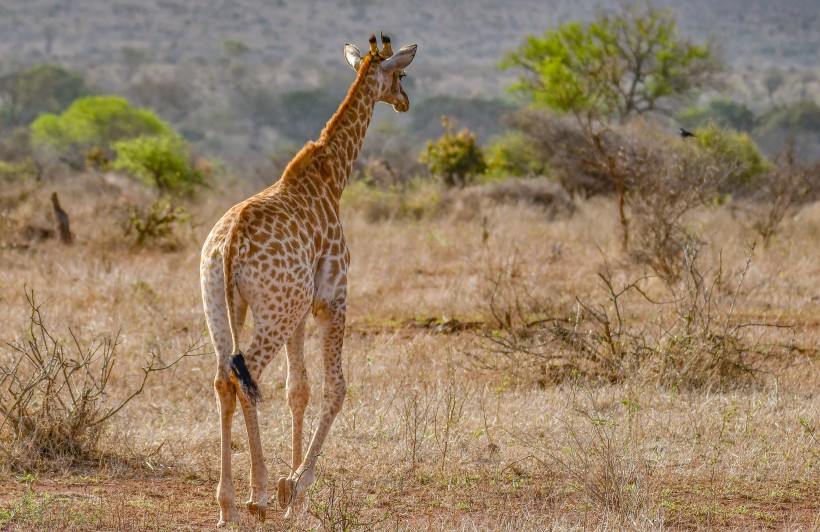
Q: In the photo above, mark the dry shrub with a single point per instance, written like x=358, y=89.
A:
x=341, y=506
x=24, y=216
x=659, y=178
x=664, y=184
x=158, y=224
x=540, y=192
x=559, y=144
x=682, y=334
x=54, y=394
x=778, y=193
x=421, y=200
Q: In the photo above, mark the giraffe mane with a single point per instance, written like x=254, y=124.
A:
x=305, y=155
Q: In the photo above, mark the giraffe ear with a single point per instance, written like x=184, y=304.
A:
x=400, y=59
x=353, y=56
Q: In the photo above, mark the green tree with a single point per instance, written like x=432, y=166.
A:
x=39, y=89
x=456, y=157
x=161, y=161
x=93, y=123
x=621, y=64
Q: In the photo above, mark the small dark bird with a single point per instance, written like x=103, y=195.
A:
x=685, y=133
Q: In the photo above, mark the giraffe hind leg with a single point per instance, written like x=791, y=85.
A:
x=213, y=293
x=269, y=337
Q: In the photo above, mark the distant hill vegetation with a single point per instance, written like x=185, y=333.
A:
x=243, y=76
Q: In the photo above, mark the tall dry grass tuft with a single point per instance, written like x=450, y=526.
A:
x=55, y=396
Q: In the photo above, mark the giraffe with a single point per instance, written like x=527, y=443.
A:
x=282, y=253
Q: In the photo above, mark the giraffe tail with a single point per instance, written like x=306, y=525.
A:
x=246, y=382
x=236, y=363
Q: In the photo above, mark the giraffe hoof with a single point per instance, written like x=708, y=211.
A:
x=286, y=491
x=228, y=517
x=257, y=510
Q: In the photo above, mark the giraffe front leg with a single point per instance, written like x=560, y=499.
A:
x=331, y=325
x=225, y=494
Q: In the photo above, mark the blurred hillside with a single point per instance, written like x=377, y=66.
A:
x=223, y=71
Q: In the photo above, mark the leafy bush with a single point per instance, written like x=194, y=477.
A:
x=161, y=161
x=94, y=122
x=456, y=157
x=513, y=154
x=736, y=153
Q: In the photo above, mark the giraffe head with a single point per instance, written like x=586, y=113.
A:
x=387, y=69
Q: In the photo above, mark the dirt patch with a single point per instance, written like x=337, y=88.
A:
x=86, y=503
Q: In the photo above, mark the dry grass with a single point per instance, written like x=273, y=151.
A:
x=428, y=438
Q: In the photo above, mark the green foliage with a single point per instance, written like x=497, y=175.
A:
x=735, y=152
x=39, y=89
x=514, y=154
x=94, y=122
x=620, y=64
x=160, y=161
x=724, y=113
x=456, y=157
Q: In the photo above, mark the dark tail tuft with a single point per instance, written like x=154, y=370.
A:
x=238, y=367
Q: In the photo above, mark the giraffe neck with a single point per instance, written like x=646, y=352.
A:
x=342, y=138
x=324, y=166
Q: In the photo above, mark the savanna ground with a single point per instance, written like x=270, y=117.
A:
x=490, y=384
